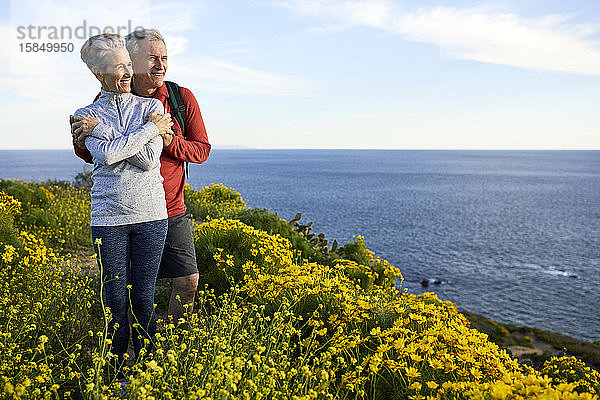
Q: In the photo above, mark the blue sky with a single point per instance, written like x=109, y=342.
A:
x=335, y=74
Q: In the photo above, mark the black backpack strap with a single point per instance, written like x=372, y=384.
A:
x=176, y=103
x=178, y=111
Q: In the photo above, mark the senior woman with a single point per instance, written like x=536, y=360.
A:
x=125, y=133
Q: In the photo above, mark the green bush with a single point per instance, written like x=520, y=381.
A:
x=377, y=271
x=9, y=207
x=269, y=222
x=214, y=201
x=30, y=195
x=83, y=180
x=356, y=250
x=57, y=212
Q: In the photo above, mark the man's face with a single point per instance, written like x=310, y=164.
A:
x=150, y=64
x=117, y=77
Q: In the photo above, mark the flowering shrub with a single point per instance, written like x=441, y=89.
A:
x=9, y=208
x=230, y=350
x=571, y=370
x=226, y=248
x=59, y=214
x=513, y=386
x=212, y=201
x=387, y=343
x=270, y=222
x=46, y=306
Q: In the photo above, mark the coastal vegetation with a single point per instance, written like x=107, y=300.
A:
x=549, y=344
x=280, y=314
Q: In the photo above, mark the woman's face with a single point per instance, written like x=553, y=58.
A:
x=117, y=77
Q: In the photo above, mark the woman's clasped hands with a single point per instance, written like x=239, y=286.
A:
x=164, y=123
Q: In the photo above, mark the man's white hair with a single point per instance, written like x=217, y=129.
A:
x=133, y=39
x=95, y=49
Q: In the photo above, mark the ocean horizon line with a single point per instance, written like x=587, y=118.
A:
x=351, y=149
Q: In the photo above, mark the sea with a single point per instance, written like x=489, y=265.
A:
x=512, y=235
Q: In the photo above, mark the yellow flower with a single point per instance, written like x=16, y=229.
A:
x=499, y=391
x=476, y=373
x=374, y=363
x=412, y=373
x=432, y=385
x=9, y=388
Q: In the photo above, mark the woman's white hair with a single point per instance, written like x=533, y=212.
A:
x=94, y=50
x=133, y=39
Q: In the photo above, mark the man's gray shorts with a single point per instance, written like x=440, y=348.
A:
x=179, y=255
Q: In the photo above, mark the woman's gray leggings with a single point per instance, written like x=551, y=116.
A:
x=130, y=255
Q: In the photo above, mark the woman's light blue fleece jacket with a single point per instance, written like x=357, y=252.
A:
x=127, y=185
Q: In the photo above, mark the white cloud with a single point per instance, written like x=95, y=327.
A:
x=175, y=16
x=550, y=42
x=243, y=46
x=175, y=44
x=217, y=75
x=374, y=13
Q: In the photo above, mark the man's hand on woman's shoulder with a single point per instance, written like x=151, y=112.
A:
x=81, y=127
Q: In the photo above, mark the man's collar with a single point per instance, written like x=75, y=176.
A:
x=161, y=91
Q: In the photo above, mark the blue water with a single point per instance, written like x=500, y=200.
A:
x=513, y=235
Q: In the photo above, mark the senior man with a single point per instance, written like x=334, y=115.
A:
x=148, y=52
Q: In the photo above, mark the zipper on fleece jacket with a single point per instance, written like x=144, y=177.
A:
x=119, y=111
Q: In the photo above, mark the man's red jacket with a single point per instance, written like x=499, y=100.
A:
x=194, y=148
